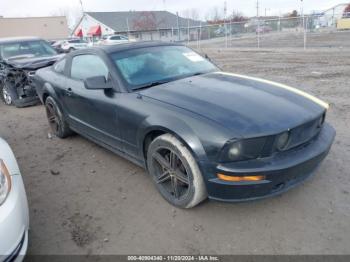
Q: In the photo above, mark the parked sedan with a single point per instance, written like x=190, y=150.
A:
x=199, y=132
x=263, y=29
x=14, y=218
x=114, y=40
x=73, y=44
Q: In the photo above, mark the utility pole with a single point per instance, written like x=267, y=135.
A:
x=225, y=21
x=127, y=26
x=258, y=18
x=188, y=30
x=81, y=6
x=304, y=25
x=178, y=26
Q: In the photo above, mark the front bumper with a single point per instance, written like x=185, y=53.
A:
x=14, y=223
x=282, y=171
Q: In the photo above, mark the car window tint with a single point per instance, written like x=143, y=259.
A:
x=85, y=66
x=59, y=66
x=146, y=65
x=115, y=38
x=27, y=48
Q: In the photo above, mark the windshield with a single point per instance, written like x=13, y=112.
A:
x=26, y=49
x=147, y=66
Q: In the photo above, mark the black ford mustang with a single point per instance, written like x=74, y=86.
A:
x=200, y=132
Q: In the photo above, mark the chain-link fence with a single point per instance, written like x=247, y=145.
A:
x=303, y=32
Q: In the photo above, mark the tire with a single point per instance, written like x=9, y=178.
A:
x=71, y=49
x=179, y=181
x=7, y=94
x=57, y=123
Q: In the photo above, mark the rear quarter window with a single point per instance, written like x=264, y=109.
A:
x=59, y=66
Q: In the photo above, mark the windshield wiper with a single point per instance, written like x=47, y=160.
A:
x=155, y=83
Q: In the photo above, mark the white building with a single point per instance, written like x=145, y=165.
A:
x=329, y=17
x=142, y=25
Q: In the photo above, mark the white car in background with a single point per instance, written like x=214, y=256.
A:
x=114, y=39
x=73, y=44
x=14, y=215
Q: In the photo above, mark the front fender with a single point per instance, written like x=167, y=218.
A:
x=203, y=139
x=175, y=126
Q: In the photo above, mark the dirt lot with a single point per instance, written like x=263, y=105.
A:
x=85, y=200
x=293, y=39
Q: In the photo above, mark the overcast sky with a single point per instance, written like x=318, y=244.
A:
x=13, y=8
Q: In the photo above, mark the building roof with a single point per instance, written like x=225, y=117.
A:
x=141, y=20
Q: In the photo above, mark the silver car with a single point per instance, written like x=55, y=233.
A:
x=114, y=40
x=14, y=216
x=73, y=44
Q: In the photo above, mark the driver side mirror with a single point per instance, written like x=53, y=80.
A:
x=97, y=83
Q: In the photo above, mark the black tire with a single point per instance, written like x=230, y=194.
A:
x=57, y=123
x=71, y=49
x=178, y=180
x=7, y=94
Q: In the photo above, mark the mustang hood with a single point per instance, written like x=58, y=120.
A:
x=33, y=63
x=248, y=107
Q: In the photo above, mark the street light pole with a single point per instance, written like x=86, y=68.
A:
x=304, y=24
x=258, y=18
x=225, y=23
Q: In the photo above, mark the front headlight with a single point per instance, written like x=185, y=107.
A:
x=5, y=182
x=242, y=149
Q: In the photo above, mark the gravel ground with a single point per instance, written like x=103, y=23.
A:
x=85, y=200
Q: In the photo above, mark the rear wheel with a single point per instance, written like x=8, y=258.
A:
x=175, y=172
x=57, y=123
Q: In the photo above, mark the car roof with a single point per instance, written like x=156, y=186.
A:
x=18, y=39
x=134, y=45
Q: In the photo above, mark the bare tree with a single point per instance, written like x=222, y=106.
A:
x=237, y=16
x=215, y=14
x=190, y=14
x=146, y=21
x=72, y=14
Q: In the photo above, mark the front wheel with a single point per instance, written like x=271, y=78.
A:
x=57, y=123
x=175, y=172
x=7, y=94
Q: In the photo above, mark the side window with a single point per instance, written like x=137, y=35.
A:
x=115, y=38
x=59, y=66
x=85, y=66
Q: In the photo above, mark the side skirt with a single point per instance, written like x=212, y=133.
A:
x=120, y=153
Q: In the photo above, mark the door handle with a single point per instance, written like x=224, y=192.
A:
x=69, y=91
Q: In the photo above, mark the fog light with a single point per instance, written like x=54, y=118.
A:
x=240, y=178
x=282, y=141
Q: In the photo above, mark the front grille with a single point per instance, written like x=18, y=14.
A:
x=304, y=133
x=299, y=137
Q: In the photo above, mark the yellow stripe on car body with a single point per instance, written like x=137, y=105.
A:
x=289, y=88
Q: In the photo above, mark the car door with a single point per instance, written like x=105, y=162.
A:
x=91, y=112
x=58, y=78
